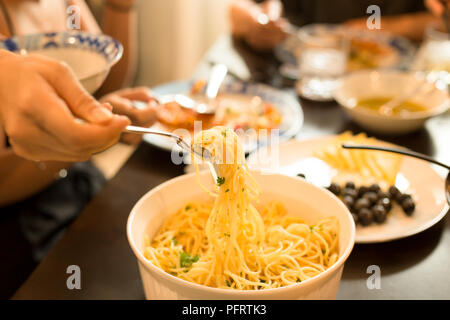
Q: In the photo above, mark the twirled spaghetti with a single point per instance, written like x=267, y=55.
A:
x=228, y=243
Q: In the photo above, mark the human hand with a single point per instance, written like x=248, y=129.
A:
x=122, y=5
x=40, y=101
x=122, y=103
x=264, y=36
x=356, y=24
x=261, y=26
x=273, y=9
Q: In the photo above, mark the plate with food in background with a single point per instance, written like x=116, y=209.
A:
x=249, y=109
x=390, y=196
x=367, y=50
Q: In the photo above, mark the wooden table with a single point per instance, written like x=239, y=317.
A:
x=412, y=268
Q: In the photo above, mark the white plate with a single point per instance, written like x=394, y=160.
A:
x=417, y=177
x=286, y=103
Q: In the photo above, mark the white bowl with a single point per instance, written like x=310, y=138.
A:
x=369, y=84
x=300, y=198
x=90, y=56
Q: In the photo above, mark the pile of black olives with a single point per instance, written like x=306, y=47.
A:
x=371, y=204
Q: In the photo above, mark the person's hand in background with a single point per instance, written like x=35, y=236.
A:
x=142, y=114
x=40, y=101
x=261, y=26
x=436, y=7
x=409, y=25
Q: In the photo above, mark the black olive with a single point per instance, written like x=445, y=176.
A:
x=402, y=197
x=348, y=201
x=349, y=192
x=365, y=216
x=379, y=213
x=362, y=190
x=355, y=218
x=335, y=188
x=301, y=175
x=350, y=185
x=374, y=188
x=381, y=194
x=371, y=196
x=408, y=206
x=361, y=203
x=386, y=203
x=393, y=192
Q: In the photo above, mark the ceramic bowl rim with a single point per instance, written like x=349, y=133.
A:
x=109, y=62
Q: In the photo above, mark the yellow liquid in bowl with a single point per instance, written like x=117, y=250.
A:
x=374, y=104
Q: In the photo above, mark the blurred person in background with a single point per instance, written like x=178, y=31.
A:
x=48, y=195
x=437, y=6
x=265, y=24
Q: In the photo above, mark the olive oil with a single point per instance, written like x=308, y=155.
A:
x=375, y=104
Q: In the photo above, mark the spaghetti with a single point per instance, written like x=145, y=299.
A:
x=227, y=243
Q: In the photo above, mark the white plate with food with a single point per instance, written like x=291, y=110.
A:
x=244, y=107
x=323, y=162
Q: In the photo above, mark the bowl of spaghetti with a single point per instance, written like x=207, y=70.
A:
x=242, y=235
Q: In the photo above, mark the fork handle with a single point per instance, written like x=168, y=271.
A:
x=399, y=151
x=141, y=130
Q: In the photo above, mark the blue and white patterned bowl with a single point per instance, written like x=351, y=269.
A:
x=90, y=56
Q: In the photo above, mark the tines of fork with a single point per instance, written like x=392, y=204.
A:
x=198, y=150
x=179, y=140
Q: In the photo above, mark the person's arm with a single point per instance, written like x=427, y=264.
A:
x=4, y=29
x=17, y=182
x=261, y=26
x=242, y=14
x=21, y=178
x=410, y=25
x=119, y=22
x=436, y=7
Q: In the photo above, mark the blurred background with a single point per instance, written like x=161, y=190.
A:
x=190, y=28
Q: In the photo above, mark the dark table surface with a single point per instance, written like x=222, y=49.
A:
x=411, y=268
